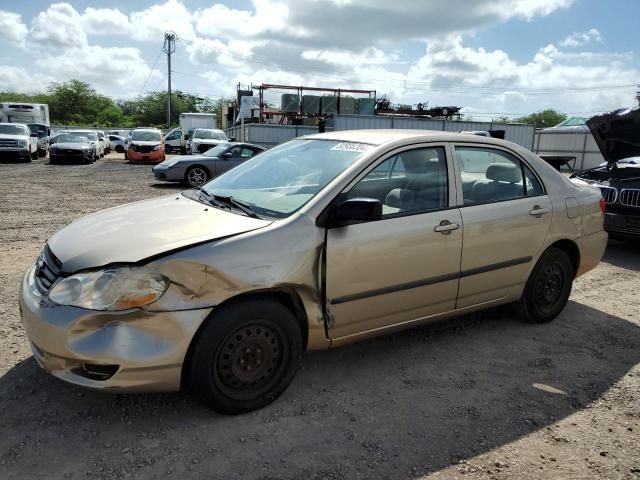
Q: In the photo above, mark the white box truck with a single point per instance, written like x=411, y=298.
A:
x=35, y=115
x=189, y=122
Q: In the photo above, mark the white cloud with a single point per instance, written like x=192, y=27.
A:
x=18, y=79
x=105, y=21
x=267, y=16
x=114, y=71
x=151, y=23
x=11, y=28
x=580, y=39
x=369, y=56
x=59, y=26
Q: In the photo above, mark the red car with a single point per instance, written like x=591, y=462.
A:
x=146, y=146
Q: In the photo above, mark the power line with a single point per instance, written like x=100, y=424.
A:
x=150, y=72
x=452, y=88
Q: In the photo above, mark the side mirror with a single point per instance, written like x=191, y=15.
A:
x=358, y=209
x=227, y=155
x=232, y=139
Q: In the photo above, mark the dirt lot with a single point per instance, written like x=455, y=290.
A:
x=484, y=396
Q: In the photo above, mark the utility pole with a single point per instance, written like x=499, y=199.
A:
x=638, y=95
x=169, y=47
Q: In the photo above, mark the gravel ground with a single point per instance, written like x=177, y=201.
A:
x=483, y=396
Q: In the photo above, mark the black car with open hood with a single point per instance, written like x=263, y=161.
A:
x=617, y=135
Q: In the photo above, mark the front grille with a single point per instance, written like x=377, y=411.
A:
x=6, y=143
x=48, y=269
x=144, y=148
x=609, y=194
x=629, y=197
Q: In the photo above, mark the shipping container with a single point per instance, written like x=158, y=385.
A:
x=365, y=106
x=311, y=104
x=347, y=106
x=329, y=105
x=290, y=102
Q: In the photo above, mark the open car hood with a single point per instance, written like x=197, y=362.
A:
x=617, y=134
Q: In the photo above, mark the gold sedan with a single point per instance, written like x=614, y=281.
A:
x=319, y=242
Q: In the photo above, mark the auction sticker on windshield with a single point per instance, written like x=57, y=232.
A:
x=351, y=147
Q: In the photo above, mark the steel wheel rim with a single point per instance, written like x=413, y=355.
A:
x=250, y=361
x=549, y=286
x=197, y=177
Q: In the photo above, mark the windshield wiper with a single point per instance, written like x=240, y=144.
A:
x=229, y=200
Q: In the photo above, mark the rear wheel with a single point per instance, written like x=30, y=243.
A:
x=119, y=149
x=196, y=176
x=245, y=356
x=548, y=288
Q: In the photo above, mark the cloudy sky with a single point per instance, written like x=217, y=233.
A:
x=492, y=57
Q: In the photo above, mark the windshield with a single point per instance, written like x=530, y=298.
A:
x=216, y=151
x=89, y=135
x=145, y=136
x=279, y=181
x=41, y=130
x=210, y=134
x=69, y=138
x=13, y=130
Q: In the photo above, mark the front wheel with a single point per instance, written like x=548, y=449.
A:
x=245, y=356
x=548, y=288
x=196, y=176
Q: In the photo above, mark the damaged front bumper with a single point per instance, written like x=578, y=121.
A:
x=125, y=351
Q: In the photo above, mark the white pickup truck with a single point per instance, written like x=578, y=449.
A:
x=18, y=142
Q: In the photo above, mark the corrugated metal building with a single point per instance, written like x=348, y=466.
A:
x=271, y=135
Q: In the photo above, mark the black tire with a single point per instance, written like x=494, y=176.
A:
x=548, y=287
x=244, y=356
x=33, y=155
x=126, y=157
x=119, y=149
x=196, y=176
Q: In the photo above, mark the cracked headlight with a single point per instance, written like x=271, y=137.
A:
x=110, y=289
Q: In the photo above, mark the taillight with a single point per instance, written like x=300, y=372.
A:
x=603, y=205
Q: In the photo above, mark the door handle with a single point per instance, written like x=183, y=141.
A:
x=537, y=210
x=446, y=227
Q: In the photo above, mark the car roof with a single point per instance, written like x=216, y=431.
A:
x=146, y=129
x=244, y=143
x=16, y=123
x=383, y=136
x=203, y=128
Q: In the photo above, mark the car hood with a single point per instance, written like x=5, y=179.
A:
x=71, y=146
x=137, y=231
x=209, y=141
x=617, y=134
x=6, y=136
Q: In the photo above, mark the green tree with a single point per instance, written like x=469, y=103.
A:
x=543, y=119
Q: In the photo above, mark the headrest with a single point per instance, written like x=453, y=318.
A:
x=415, y=161
x=400, y=198
x=504, y=172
